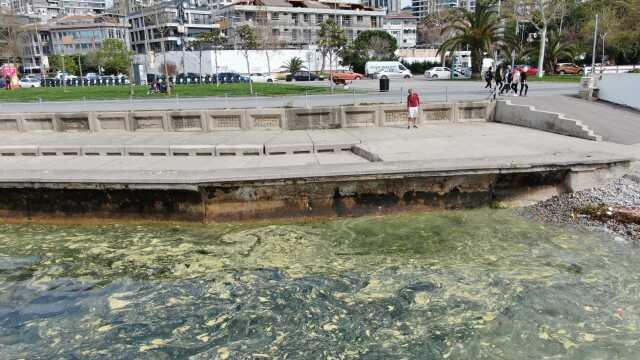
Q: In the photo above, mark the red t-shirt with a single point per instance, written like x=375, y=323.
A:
x=413, y=100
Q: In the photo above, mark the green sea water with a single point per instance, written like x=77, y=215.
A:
x=474, y=284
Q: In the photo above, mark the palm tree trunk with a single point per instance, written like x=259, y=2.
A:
x=476, y=64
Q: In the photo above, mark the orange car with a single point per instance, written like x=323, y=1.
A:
x=568, y=68
x=341, y=77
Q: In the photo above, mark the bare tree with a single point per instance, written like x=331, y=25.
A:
x=545, y=11
x=11, y=39
x=248, y=40
x=161, y=23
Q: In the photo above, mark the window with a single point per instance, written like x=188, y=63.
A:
x=305, y=18
x=319, y=18
x=275, y=16
x=359, y=19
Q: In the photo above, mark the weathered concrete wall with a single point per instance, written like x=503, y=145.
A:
x=294, y=198
x=238, y=119
x=623, y=89
x=528, y=116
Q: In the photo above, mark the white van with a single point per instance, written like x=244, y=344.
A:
x=386, y=69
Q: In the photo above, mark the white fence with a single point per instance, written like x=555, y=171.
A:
x=620, y=89
x=616, y=69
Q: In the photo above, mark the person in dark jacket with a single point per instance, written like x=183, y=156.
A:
x=523, y=83
x=498, y=77
x=488, y=77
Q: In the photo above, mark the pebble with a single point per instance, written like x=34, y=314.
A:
x=623, y=192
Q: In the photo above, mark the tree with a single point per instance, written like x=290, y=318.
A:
x=545, y=11
x=556, y=49
x=114, y=56
x=332, y=41
x=476, y=29
x=294, y=65
x=369, y=45
x=161, y=21
x=64, y=63
x=214, y=40
x=11, y=40
x=248, y=41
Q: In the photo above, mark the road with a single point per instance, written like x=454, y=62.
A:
x=365, y=92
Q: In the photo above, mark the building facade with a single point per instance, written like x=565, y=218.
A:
x=402, y=27
x=391, y=6
x=50, y=9
x=296, y=23
x=70, y=35
x=422, y=8
x=150, y=26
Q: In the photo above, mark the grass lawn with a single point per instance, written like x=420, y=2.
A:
x=557, y=78
x=140, y=92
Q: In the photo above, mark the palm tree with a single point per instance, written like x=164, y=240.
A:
x=293, y=65
x=477, y=30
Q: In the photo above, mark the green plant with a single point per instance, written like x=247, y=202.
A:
x=293, y=65
x=419, y=67
x=478, y=30
x=248, y=40
x=369, y=45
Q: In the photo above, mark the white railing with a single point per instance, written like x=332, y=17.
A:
x=614, y=69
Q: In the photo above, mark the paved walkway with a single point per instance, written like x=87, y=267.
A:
x=614, y=123
x=429, y=90
x=432, y=148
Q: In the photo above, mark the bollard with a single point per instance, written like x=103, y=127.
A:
x=177, y=101
x=306, y=98
x=401, y=92
x=226, y=100
x=355, y=103
x=446, y=94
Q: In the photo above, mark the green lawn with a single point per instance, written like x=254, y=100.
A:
x=557, y=78
x=122, y=92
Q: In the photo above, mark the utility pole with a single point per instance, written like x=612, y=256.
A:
x=595, y=43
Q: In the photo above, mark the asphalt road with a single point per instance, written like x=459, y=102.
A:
x=365, y=92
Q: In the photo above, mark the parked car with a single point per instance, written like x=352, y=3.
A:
x=347, y=75
x=387, y=70
x=64, y=76
x=260, y=77
x=91, y=76
x=441, y=72
x=530, y=70
x=303, y=76
x=29, y=82
x=230, y=77
x=568, y=68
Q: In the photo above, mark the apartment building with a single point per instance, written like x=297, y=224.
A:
x=391, y=6
x=150, y=26
x=50, y=9
x=71, y=35
x=402, y=27
x=422, y=8
x=296, y=23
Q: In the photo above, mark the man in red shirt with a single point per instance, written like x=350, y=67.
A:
x=413, y=107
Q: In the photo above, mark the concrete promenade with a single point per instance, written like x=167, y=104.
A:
x=366, y=92
x=431, y=148
x=612, y=122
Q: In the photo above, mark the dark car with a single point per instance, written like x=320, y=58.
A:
x=230, y=77
x=303, y=76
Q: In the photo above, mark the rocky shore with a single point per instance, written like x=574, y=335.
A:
x=613, y=208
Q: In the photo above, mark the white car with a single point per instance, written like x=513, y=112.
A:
x=262, y=78
x=440, y=72
x=29, y=83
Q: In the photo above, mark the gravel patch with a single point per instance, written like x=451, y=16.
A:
x=567, y=208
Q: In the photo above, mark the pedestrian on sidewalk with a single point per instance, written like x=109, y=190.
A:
x=508, y=77
x=413, y=107
x=488, y=77
x=523, y=83
x=515, y=81
x=498, y=77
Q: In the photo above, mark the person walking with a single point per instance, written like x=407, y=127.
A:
x=498, y=77
x=523, y=83
x=488, y=77
x=508, y=77
x=413, y=107
x=515, y=81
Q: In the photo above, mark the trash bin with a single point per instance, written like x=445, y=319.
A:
x=384, y=84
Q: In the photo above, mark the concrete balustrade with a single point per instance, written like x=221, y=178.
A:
x=244, y=119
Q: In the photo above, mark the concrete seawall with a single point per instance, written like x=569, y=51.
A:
x=242, y=119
